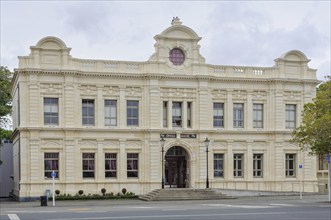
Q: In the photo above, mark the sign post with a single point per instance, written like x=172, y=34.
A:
x=300, y=170
x=53, y=178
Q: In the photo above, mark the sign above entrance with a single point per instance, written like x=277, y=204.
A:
x=188, y=136
x=168, y=135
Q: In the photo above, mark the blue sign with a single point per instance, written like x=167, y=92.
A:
x=53, y=174
x=328, y=158
x=300, y=166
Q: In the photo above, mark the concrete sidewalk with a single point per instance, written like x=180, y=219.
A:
x=8, y=203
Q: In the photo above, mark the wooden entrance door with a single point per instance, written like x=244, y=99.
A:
x=175, y=171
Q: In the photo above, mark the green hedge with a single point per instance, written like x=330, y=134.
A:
x=128, y=195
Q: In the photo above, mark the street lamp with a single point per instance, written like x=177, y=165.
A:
x=207, y=144
x=162, y=150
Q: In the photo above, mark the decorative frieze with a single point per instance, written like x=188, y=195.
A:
x=292, y=95
x=259, y=95
x=111, y=91
x=218, y=94
x=133, y=91
x=88, y=89
x=178, y=93
x=51, y=88
x=239, y=94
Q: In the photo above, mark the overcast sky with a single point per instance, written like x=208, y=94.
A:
x=247, y=33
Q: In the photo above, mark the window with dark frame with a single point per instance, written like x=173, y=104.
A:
x=110, y=112
x=238, y=115
x=165, y=114
x=290, y=165
x=88, y=112
x=218, y=114
x=189, y=114
x=111, y=165
x=257, y=115
x=132, y=111
x=176, y=56
x=132, y=165
x=238, y=163
x=290, y=116
x=258, y=165
x=218, y=165
x=88, y=165
x=51, y=163
x=177, y=114
x=51, y=111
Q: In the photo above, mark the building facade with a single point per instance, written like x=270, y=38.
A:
x=98, y=123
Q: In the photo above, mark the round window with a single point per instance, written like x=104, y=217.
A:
x=176, y=56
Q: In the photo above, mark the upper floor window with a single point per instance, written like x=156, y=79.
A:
x=177, y=114
x=218, y=114
x=110, y=112
x=290, y=116
x=189, y=114
x=177, y=56
x=51, y=111
x=51, y=163
x=132, y=113
x=165, y=114
x=88, y=112
x=257, y=115
x=238, y=115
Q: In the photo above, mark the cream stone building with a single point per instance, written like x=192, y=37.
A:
x=98, y=123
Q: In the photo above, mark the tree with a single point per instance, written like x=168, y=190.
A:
x=5, y=97
x=314, y=132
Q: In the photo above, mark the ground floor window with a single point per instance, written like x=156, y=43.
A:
x=51, y=163
x=258, y=165
x=132, y=165
x=110, y=165
x=290, y=164
x=88, y=165
x=238, y=163
x=218, y=165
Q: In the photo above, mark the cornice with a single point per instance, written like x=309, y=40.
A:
x=79, y=73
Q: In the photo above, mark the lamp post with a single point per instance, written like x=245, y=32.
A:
x=162, y=150
x=207, y=145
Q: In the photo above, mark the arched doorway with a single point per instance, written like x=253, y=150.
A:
x=176, y=167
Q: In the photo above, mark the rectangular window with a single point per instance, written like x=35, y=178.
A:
x=177, y=114
x=51, y=111
x=189, y=114
x=110, y=165
x=51, y=163
x=218, y=114
x=322, y=162
x=218, y=165
x=290, y=116
x=258, y=165
x=132, y=165
x=257, y=115
x=110, y=112
x=238, y=115
x=290, y=165
x=238, y=163
x=88, y=165
x=132, y=113
x=165, y=114
x=88, y=112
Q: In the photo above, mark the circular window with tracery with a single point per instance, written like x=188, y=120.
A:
x=177, y=56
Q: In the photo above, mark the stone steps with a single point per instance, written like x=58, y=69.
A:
x=183, y=194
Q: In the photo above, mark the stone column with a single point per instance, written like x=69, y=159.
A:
x=229, y=112
x=122, y=108
x=169, y=117
x=249, y=109
x=184, y=114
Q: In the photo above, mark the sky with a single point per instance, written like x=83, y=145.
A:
x=241, y=33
